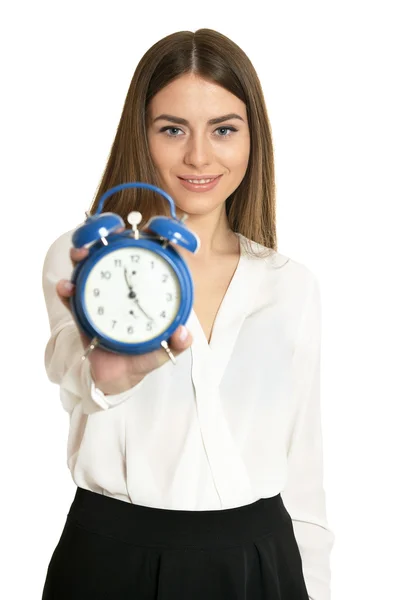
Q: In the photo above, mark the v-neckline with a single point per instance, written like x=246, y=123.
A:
x=209, y=360
x=223, y=307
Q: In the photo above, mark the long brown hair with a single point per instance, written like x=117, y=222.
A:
x=251, y=208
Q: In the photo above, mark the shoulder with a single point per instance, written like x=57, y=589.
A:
x=57, y=258
x=61, y=242
x=294, y=273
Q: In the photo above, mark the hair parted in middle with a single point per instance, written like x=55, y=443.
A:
x=251, y=208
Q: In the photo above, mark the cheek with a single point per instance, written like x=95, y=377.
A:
x=236, y=151
x=162, y=156
x=237, y=159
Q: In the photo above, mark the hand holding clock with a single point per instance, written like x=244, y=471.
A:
x=115, y=373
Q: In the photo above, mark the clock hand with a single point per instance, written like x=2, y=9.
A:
x=142, y=310
x=127, y=281
x=133, y=295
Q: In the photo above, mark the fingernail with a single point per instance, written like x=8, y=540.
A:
x=183, y=333
x=68, y=286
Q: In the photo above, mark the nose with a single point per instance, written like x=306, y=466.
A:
x=198, y=151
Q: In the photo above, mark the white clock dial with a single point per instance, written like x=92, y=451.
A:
x=132, y=295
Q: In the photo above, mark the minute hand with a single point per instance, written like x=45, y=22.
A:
x=142, y=310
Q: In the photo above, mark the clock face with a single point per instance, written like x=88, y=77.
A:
x=132, y=295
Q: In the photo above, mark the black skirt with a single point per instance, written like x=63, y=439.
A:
x=113, y=550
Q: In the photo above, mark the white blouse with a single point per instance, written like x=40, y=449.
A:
x=233, y=421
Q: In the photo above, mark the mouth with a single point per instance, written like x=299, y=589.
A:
x=200, y=185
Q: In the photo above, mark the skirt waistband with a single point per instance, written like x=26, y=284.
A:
x=147, y=526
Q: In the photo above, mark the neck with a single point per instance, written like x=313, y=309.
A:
x=216, y=237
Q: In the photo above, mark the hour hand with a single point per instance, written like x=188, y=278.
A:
x=129, y=285
x=132, y=293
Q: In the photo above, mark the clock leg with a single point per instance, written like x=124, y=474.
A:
x=90, y=348
x=165, y=346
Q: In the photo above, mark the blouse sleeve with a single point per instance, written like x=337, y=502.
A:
x=304, y=495
x=63, y=353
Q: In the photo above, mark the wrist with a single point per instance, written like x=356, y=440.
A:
x=111, y=388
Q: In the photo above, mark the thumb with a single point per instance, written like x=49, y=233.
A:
x=178, y=342
x=181, y=339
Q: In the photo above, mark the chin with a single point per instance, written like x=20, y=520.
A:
x=197, y=204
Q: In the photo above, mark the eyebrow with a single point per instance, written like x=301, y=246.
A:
x=214, y=121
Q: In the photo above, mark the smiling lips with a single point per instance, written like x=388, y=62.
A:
x=194, y=184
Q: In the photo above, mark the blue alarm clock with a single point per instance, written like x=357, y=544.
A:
x=134, y=289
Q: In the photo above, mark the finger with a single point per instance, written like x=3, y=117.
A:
x=65, y=289
x=85, y=340
x=78, y=254
x=157, y=358
x=178, y=343
x=181, y=339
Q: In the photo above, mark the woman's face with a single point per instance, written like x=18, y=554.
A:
x=196, y=147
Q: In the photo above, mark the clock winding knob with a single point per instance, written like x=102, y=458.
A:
x=135, y=218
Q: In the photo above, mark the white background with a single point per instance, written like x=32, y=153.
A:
x=329, y=72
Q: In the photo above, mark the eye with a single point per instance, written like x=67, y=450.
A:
x=225, y=128
x=232, y=129
x=168, y=129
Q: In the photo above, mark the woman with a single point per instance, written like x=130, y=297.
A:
x=202, y=479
